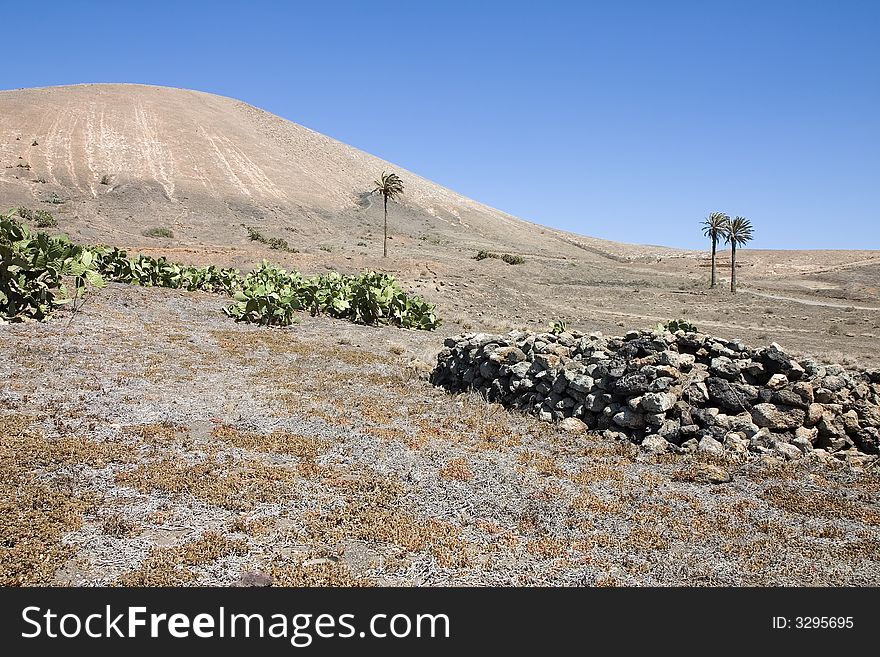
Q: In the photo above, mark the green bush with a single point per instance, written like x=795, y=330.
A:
x=271, y=295
x=147, y=271
x=557, y=326
x=510, y=259
x=33, y=269
x=272, y=242
x=158, y=232
x=674, y=325
x=40, y=218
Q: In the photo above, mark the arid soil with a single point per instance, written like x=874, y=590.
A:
x=152, y=440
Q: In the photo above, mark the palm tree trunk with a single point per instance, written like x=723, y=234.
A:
x=733, y=267
x=385, y=241
x=714, y=241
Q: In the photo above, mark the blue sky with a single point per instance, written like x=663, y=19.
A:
x=623, y=120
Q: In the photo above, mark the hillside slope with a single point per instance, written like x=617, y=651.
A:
x=129, y=156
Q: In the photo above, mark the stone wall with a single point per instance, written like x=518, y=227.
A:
x=674, y=392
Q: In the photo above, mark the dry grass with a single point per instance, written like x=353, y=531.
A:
x=237, y=486
x=325, y=572
x=372, y=512
x=169, y=566
x=457, y=469
x=278, y=442
x=431, y=488
x=820, y=503
x=37, y=509
x=118, y=527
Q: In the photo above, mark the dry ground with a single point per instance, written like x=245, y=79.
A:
x=154, y=441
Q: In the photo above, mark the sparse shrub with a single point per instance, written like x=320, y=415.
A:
x=674, y=325
x=326, y=248
x=557, y=326
x=35, y=143
x=272, y=242
x=105, y=179
x=158, y=232
x=361, y=244
x=40, y=218
x=54, y=199
x=45, y=219
x=510, y=259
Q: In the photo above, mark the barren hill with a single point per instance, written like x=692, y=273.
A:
x=126, y=156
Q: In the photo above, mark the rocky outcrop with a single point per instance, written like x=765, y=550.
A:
x=674, y=392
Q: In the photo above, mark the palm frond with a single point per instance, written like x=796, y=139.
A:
x=714, y=224
x=739, y=231
x=388, y=185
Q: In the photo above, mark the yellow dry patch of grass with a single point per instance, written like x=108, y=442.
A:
x=593, y=504
x=169, y=566
x=548, y=547
x=34, y=518
x=244, y=343
x=820, y=503
x=251, y=526
x=599, y=471
x=774, y=469
x=279, y=442
x=372, y=513
x=119, y=527
x=325, y=573
x=238, y=486
x=496, y=437
x=372, y=412
x=440, y=429
x=457, y=469
x=36, y=511
x=387, y=433
x=544, y=464
x=160, y=434
x=646, y=537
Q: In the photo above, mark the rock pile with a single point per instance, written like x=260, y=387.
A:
x=674, y=392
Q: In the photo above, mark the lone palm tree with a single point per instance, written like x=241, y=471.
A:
x=737, y=233
x=713, y=228
x=390, y=186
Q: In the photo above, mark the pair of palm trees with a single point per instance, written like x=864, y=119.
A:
x=736, y=232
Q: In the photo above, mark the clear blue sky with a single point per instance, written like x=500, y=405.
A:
x=624, y=120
